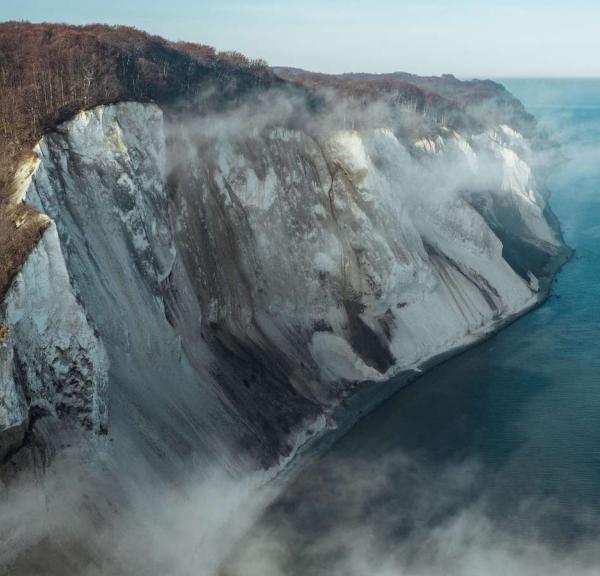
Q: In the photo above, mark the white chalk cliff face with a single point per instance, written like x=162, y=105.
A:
x=223, y=293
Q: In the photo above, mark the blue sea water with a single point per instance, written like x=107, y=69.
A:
x=513, y=424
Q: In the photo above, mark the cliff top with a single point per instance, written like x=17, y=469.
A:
x=50, y=72
x=461, y=102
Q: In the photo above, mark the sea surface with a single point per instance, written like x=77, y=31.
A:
x=490, y=462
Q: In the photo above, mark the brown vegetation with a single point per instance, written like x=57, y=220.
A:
x=50, y=72
x=368, y=87
x=484, y=100
x=440, y=99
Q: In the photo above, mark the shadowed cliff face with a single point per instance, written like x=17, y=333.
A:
x=233, y=276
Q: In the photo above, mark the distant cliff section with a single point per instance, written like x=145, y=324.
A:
x=202, y=256
x=450, y=100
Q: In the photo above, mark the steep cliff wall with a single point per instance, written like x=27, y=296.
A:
x=221, y=290
x=52, y=364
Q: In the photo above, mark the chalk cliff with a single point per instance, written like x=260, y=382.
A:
x=217, y=292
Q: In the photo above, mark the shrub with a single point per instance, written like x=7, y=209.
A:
x=3, y=333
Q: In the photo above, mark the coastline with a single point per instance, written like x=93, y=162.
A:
x=369, y=395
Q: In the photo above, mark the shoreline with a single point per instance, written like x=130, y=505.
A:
x=370, y=395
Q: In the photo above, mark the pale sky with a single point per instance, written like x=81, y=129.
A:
x=497, y=38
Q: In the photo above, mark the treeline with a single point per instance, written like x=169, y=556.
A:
x=487, y=101
x=440, y=99
x=48, y=72
x=400, y=94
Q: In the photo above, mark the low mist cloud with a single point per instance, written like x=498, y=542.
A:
x=79, y=518
x=385, y=516
x=395, y=517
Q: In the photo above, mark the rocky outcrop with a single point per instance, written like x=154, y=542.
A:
x=52, y=364
x=224, y=289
